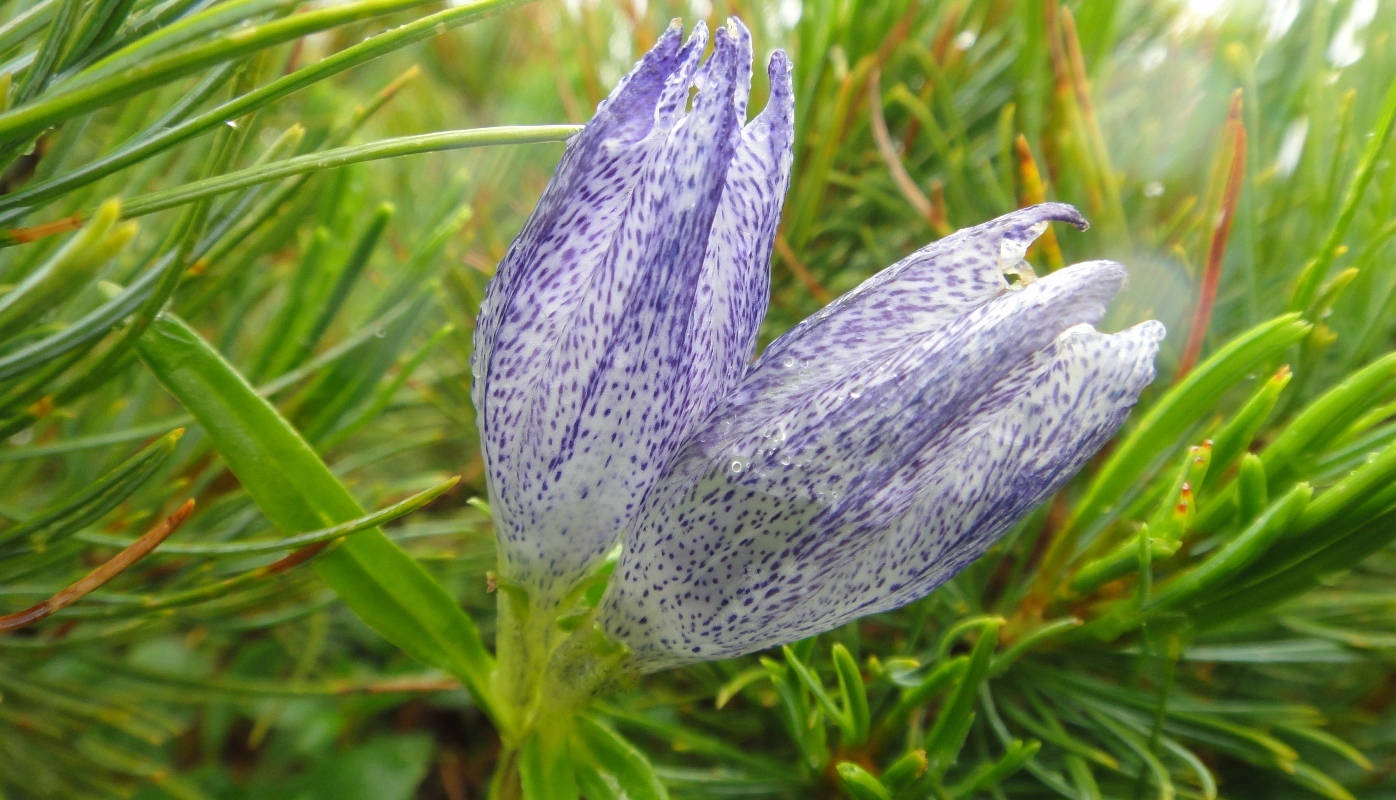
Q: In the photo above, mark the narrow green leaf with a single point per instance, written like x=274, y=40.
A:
x=349, y=274
x=399, y=509
x=1179, y=409
x=1029, y=640
x=338, y=157
x=1299, y=568
x=92, y=503
x=947, y=735
x=946, y=673
x=170, y=37
x=1123, y=560
x=298, y=493
x=65, y=273
x=1231, y=442
x=159, y=69
x=861, y=785
x=620, y=759
x=991, y=774
x=1141, y=749
x=815, y=686
x=25, y=23
x=1312, y=277
x=1329, y=415
x=1252, y=488
x=905, y=770
x=1237, y=554
x=160, y=137
x=854, y=694
x=91, y=326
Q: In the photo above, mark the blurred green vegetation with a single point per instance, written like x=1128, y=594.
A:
x=1253, y=659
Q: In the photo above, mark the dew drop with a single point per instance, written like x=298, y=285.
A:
x=736, y=466
x=789, y=362
x=786, y=460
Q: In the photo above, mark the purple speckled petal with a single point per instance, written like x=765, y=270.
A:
x=735, y=285
x=654, y=315
x=541, y=280
x=780, y=520
x=917, y=295
x=1033, y=432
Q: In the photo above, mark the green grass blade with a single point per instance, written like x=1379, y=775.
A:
x=162, y=139
x=158, y=70
x=1178, y=410
x=297, y=492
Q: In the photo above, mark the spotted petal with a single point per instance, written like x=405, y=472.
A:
x=788, y=513
x=629, y=303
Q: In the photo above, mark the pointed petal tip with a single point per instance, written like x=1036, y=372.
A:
x=723, y=36
x=739, y=30
x=780, y=103
x=719, y=75
x=1152, y=331
x=674, y=98
x=699, y=34
x=1047, y=212
x=664, y=49
x=778, y=70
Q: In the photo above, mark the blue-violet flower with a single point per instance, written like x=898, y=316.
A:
x=861, y=461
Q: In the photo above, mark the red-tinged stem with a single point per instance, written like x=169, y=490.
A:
x=1216, y=250
x=138, y=549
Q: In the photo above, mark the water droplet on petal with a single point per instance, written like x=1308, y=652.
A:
x=736, y=466
x=786, y=460
x=788, y=362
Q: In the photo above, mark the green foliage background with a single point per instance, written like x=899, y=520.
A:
x=1131, y=639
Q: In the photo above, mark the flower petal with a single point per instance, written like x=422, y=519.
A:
x=735, y=284
x=1035, y=431
x=664, y=325
x=919, y=294
x=770, y=527
x=538, y=284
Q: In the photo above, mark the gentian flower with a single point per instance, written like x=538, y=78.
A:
x=629, y=303
x=865, y=457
